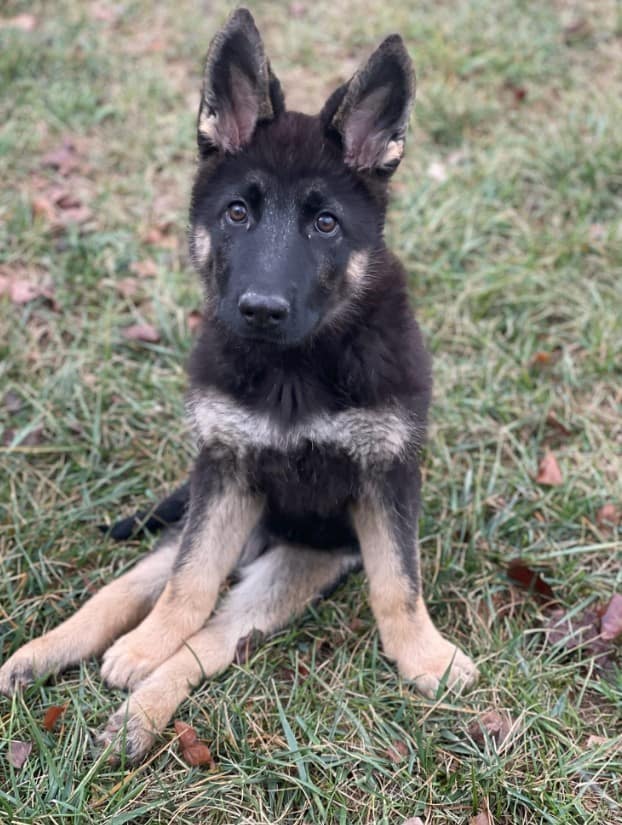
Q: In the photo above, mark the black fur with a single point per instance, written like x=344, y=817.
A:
x=344, y=348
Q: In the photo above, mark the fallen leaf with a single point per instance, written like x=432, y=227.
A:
x=492, y=724
x=144, y=269
x=65, y=199
x=141, y=332
x=194, y=320
x=581, y=632
x=553, y=421
x=21, y=292
x=549, y=473
x=541, y=357
x=127, y=287
x=595, y=741
x=64, y=158
x=397, y=752
x=608, y=516
x=52, y=715
x=25, y=22
x=106, y=13
x=12, y=403
x=611, y=619
x=44, y=208
x=520, y=573
x=297, y=10
x=18, y=753
x=162, y=235
x=482, y=818
x=577, y=30
x=193, y=750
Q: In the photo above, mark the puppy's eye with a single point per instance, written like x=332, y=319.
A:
x=237, y=212
x=326, y=223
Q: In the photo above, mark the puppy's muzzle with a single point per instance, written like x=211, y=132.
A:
x=263, y=312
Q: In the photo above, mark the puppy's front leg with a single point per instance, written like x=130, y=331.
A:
x=222, y=514
x=385, y=519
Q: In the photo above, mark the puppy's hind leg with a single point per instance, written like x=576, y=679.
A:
x=114, y=610
x=275, y=587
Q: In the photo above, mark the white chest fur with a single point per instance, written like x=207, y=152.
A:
x=367, y=436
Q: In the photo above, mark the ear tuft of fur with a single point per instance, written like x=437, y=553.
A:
x=370, y=113
x=239, y=88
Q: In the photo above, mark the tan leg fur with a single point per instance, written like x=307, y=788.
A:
x=113, y=610
x=408, y=635
x=208, y=554
x=276, y=587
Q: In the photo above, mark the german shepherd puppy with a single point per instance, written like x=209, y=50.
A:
x=310, y=388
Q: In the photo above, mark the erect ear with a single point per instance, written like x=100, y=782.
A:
x=239, y=89
x=370, y=112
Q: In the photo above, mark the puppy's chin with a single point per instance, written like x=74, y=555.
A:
x=290, y=336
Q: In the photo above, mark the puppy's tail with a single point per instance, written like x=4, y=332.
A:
x=168, y=511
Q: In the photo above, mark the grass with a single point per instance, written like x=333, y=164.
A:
x=507, y=215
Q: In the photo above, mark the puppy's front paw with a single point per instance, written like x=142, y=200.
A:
x=440, y=664
x=23, y=667
x=129, y=661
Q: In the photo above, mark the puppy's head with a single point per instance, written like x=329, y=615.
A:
x=287, y=209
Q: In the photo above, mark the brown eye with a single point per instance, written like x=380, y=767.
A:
x=237, y=212
x=326, y=223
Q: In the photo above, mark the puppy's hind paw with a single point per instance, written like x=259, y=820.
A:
x=127, y=732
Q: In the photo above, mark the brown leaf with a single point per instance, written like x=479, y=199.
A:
x=25, y=22
x=127, y=287
x=18, y=753
x=482, y=818
x=21, y=292
x=553, y=421
x=608, y=516
x=611, y=620
x=12, y=403
x=194, y=320
x=397, y=752
x=141, y=332
x=144, y=269
x=65, y=199
x=492, y=724
x=595, y=741
x=52, y=715
x=581, y=632
x=549, y=473
x=198, y=754
x=578, y=29
x=193, y=750
x=64, y=158
x=161, y=235
x=105, y=13
x=43, y=207
x=520, y=573
x=186, y=734
x=79, y=214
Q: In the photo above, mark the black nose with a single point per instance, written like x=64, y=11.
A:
x=263, y=311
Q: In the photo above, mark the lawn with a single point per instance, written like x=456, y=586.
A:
x=507, y=214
